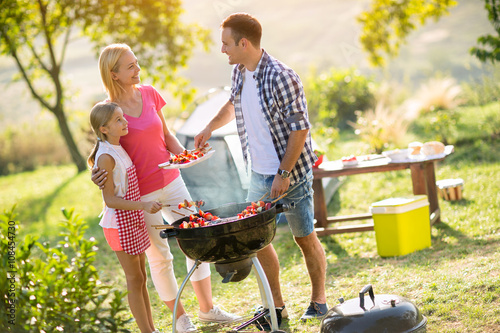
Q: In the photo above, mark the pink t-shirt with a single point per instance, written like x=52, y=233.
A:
x=145, y=143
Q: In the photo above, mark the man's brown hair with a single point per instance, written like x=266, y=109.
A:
x=243, y=25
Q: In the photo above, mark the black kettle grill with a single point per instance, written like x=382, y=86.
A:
x=374, y=314
x=232, y=246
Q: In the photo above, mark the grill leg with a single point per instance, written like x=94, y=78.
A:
x=177, y=299
x=265, y=293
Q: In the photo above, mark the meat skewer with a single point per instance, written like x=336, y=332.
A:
x=162, y=226
x=262, y=198
x=279, y=198
x=201, y=218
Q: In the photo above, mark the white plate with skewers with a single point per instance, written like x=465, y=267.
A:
x=186, y=159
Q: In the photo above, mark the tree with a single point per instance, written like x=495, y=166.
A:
x=490, y=43
x=37, y=33
x=388, y=22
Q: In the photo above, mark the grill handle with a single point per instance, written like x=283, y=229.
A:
x=368, y=288
x=168, y=233
x=280, y=208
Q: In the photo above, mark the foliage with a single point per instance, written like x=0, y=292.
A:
x=20, y=152
x=334, y=96
x=324, y=137
x=461, y=125
x=438, y=97
x=57, y=289
x=490, y=44
x=439, y=94
x=387, y=23
x=36, y=34
x=442, y=126
x=381, y=128
x=485, y=90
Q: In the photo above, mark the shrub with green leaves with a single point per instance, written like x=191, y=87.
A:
x=53, y=289
x=334, y=96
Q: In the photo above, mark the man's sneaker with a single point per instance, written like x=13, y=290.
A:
x=264, y=322
x=315, y=310
x=184, y=325
x=217, y=315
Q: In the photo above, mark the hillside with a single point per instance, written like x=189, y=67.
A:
x=303, y=34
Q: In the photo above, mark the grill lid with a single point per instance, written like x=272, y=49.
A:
x=374, y=314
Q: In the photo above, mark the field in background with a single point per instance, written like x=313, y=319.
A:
x=303, y=34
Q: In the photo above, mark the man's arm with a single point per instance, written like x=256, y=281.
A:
x=224, y=116
x=294, y=147
x=99, y=177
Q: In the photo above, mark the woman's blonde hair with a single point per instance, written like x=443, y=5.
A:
x=100, y=115
x=108, y=62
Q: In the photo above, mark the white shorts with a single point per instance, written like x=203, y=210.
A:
x=159, y=255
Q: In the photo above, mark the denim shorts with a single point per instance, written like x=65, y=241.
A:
x=300, y=198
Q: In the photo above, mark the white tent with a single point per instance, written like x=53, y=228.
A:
x=222, y=178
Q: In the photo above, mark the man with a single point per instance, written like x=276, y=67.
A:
x=268, y=101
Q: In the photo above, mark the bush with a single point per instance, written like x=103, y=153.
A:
x=57, y=289
x=439, y=94
x=436, y=101
x=461, y=125
x=381, y=128
x=333, y=97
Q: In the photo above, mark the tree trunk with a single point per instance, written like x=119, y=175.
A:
x=70, y=142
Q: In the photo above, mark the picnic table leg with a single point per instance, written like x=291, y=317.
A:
x=430, y=184
x=424, y=182
x=418, y=178
x=320, y=212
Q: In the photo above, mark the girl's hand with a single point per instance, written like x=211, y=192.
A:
x=152, y=207
x=99, y=177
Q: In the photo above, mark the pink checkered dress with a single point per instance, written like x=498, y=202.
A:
x=134, y=237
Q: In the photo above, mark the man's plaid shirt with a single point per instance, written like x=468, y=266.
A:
x=282, y=100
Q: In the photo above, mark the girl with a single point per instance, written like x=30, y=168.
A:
x=123, y=215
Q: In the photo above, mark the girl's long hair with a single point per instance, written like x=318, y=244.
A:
x=100, y=115
x=108, y=62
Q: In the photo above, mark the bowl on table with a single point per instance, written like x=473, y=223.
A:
x=350, y=160
x=396, y=155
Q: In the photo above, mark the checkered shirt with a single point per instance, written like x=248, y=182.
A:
x=132, y=232
x=282, y=100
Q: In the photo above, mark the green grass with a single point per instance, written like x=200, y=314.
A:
x=455, y=282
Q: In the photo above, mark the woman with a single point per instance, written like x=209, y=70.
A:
x=149, y=143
